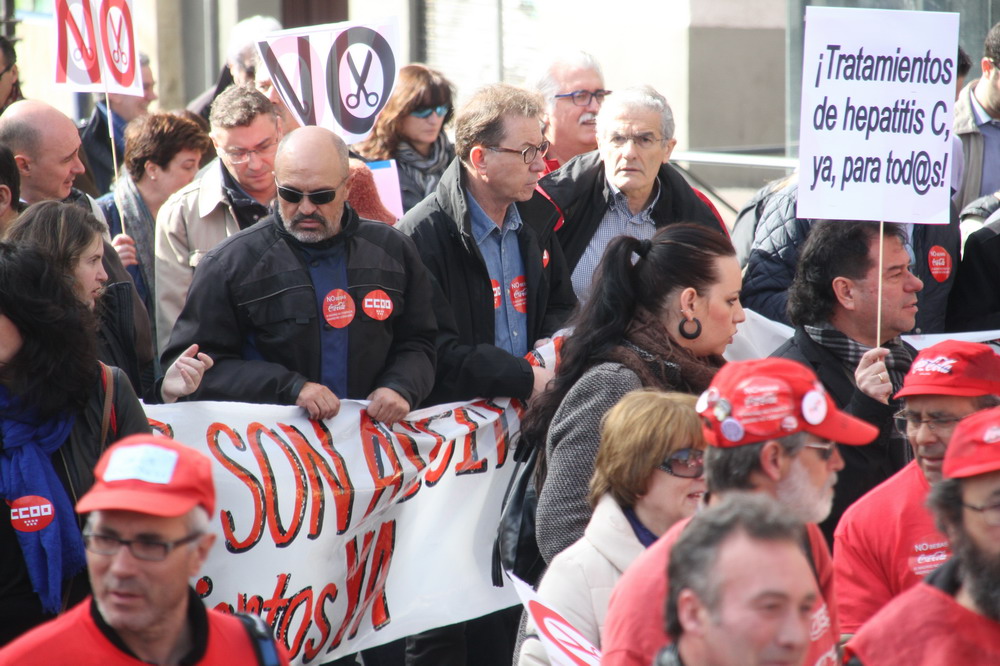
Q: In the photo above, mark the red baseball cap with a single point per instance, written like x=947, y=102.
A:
x=769, y=398
x=974, y=447
x=150, y=474
x=953, y=367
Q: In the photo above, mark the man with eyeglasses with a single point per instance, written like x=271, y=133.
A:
x=773, y=429
x=887, y=541
x=232, y=193
x=953, y=615
x=572, y=87
x=501, y=285
x=313, y=304
x=146, y=535
x=626, y=187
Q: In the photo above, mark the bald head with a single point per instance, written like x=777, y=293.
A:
x=312, y=160
x=46, y=146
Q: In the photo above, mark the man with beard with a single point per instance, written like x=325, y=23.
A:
x=773, y=430
x=953, y=615
x=887, y=542
x=313, y=304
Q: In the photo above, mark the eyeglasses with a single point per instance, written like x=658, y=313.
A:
x=583, y=97
x=825, y=449
x=150, y=551
x=686, y=463
x=990, y=513
x=908, y=421
x=527, y=154
x=441, y=110
x=319, y=197
x=642, y=141
x=243, y=156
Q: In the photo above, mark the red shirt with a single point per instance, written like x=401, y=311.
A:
x=886, y=542
x=635, y=627
x=926, y=626
x=74, y=638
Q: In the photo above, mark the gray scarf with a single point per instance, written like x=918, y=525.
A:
x=425, y=171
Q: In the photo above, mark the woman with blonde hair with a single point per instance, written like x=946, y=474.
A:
x=648, y=475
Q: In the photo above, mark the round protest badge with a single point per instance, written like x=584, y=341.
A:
x=497, y=294
x=519, y=294
x=939, y=261
x=732, y=430
x=545, y=259
x=31, y=513
x=377, y=305
x=338, y=308
x=814, y=407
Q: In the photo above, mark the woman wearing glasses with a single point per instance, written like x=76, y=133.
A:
x=649, y=474
x=409, y=130
x=54, y=426
x=661, y=313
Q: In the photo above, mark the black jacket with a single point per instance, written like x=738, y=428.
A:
x=864, y=466
x=775, y=252
x=975, y=299
x=97, y=146
x=469, y=364
x=577, y=195
x=256, y=286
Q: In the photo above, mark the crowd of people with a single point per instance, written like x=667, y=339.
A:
x=686, y=505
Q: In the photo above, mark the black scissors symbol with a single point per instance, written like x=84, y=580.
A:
x=361, y=79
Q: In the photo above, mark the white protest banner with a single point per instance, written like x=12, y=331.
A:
x=564, y=644
x=96, y=49
x=875, y=128
x=386, y=178
x=343, y=534
x=337, y=76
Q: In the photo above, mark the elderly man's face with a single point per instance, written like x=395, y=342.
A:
x=49, y=174
x=301, y=169
x=976, y=542
x=135, y=596
x=763, y=617
x=131, y=107
x=940, y=412
x=633, y=147
x=899, y=290
x=571, y=127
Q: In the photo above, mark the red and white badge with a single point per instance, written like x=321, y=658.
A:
x=31, y=513
x=519, y=294
x=545, y=258
x=939, y=261
x=338, y=308
x=497, y=295
x=377, y=305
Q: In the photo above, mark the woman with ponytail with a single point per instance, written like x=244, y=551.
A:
x=660, y=314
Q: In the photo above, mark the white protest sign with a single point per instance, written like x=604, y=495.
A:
x=564, y=644
x=337, y=76
x=96, y=49
x=876, y=123
x=386, y=178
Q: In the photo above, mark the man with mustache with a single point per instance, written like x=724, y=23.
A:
x=626, y=186
x=887, y=542
x=313, y=304
x=773, y=430
x=834, y=305
x=573, y=89
x=953, y=615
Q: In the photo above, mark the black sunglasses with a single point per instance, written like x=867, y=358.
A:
x=686, y=463
x=319, y=197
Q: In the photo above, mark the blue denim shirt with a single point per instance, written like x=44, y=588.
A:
x=502, y=254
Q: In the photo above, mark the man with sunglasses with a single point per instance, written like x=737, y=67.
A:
x=232, y=193
x=773, y=429
x=501, y=285
x=625, y=187
x=573, y=89
x=953, y=615
x=313, y=304
x=887, y=541
x=146, y=535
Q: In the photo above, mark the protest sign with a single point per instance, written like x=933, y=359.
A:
x=337, y=76
x=96, y=49
x=876, y=121
x=564, y=644
x=345, y=534
x=386, y=179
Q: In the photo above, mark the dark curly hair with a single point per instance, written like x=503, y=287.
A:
x=56, y=367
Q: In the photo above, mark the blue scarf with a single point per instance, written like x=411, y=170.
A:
x=56, y=551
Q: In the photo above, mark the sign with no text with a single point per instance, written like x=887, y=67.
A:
x=96, y=49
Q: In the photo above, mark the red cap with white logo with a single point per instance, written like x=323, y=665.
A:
x=770, y=398
x=150, y=474
x=953, y=367
x=974, y=447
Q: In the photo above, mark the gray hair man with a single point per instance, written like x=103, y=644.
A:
x=572, y=88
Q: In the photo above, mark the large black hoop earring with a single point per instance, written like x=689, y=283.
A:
x=684, y=333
